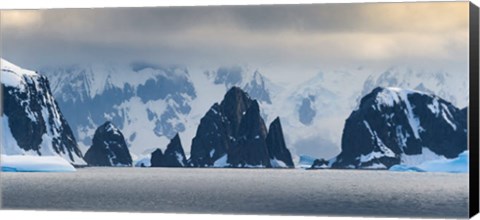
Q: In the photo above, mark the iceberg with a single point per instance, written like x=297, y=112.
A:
x=306, y=161
x=456, y=165
x=28, y=163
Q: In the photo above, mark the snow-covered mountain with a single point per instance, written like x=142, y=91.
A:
x=254, y=83
x=398, y=126
x=151, y=103
x=449, y=86
x=313, y=113
x=32, y=123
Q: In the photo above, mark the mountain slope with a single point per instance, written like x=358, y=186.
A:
x=147, y=102
x=393, y=126
x=32, y=122
x=174, y=155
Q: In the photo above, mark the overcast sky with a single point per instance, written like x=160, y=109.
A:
x=299, y=38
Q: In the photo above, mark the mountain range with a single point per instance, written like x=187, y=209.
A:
x=174, y=100
x=158, y=103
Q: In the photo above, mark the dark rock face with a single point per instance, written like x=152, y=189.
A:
x=174, y=155
x=219, y=128
x=34, y=118
x=156, y=160
x=232, y=134
x=319, y=164
x=109, y=148
x=391, y=123
x=306, y=112
x=212, y=139
x=277, y=148
x=250, y=149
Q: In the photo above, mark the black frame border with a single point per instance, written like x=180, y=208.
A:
x=473, y=109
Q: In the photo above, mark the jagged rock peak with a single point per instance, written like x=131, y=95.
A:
x=174, y=155
x=233, y=134
x=108, y=148
x=278, y=152
x=156, y=159
x=250, y=149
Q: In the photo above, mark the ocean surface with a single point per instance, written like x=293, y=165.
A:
x=241, y=191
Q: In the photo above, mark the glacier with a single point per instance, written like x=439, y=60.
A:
x=456, y=165
x=28, y=163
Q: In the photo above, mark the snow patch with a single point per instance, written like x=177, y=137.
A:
x=375, y=166
x=278, y=163
x=393, y=95
x=385, y=151
x=13, y=75
x=447, y=116
x=414, y=160
x=221, y=162
x=434, y=107
x=179, y=158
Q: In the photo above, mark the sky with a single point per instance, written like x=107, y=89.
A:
x=278, y=39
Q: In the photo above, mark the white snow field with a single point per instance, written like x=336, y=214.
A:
x=26, y=163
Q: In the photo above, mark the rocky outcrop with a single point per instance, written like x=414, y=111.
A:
x=250, y=147
x=156, y=160
x=233, y=134
x=174, y=155
x=319, y=164
x=392, y=124
x=108, y=148
x=32, y=122
x=277, y=149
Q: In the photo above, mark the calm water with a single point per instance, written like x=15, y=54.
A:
x=245, y=191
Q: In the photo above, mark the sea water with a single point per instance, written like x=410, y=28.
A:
x=242, y=191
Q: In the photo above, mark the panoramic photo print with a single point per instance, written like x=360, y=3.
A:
x=313, y=109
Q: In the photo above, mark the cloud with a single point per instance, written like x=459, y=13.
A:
x=298, y=36
x=19, y=18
